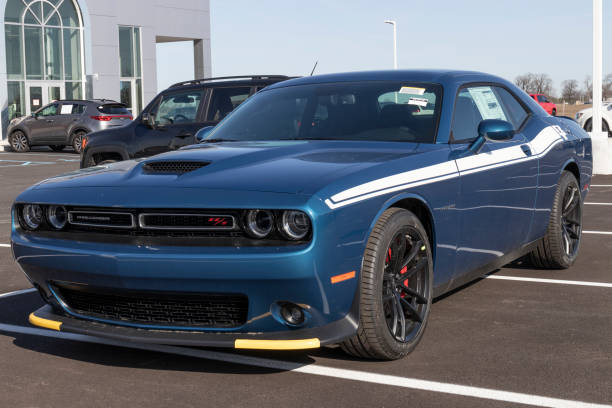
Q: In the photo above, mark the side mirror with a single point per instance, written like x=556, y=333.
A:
x=148, y=120
x=202, y=133
x=494, y=130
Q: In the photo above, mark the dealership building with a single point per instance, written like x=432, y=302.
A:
x=83, y=49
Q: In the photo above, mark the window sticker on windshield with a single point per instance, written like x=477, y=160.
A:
x=418, y=101
x=412, y=90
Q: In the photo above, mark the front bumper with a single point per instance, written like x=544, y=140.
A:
x=294, y=340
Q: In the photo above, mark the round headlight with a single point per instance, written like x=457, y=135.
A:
x=32, y=215
x=57, y=215
x=259, y=223
x=294, y=225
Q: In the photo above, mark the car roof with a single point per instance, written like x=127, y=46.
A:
x=96, y=101
x=440, y=76
x=247, y=80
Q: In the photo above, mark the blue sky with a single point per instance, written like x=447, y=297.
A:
x=503, y=37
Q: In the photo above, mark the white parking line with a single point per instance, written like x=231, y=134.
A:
x=5, y=245
x=598, y=203
x=17, y=292
x=557, y=281
x=597, y=232
x=601, y=185
x=313, y=369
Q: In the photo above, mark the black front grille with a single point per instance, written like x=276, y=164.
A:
x=108, y=219
x=172, y=167
x=185, y=222
x=205, y=310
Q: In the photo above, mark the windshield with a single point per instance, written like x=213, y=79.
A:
x=371, y=110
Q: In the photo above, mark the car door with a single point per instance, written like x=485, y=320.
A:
x=498, y=184
x=69, y=113
x=176, y=119
x=44, y=127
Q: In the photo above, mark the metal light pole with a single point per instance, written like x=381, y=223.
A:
x=600, y=144
x=394, y=24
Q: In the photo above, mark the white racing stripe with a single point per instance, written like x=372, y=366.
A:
x=555, y=281
x=545, y=141
x=324, y=371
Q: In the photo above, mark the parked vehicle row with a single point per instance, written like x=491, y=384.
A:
x=65, y=123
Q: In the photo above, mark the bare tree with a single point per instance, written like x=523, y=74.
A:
x=587, y=91
x=524, y=82
x=607, y=87
x=569, y=90
x=542, y=84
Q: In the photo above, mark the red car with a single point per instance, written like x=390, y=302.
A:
x=544, y=102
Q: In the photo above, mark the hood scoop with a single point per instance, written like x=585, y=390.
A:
x=172, y=167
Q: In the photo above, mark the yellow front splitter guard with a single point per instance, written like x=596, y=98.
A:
x=277, y=344
x=45, y=323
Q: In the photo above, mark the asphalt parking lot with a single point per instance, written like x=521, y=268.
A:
x=518, y=337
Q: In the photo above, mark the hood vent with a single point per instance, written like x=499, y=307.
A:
x=172, y=167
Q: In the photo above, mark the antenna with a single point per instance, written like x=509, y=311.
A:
x=313, y=68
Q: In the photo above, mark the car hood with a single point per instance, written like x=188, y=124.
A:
x=298, y=167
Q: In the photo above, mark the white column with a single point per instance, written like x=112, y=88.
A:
x=601, y=159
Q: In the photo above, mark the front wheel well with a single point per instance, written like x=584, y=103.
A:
x=422, y=212
x=103, y=156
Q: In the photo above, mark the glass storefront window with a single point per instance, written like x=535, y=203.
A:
x=43, y=43
x=73, y=90
x=14, y=55
x=72, y=54
x=15, y=99
x=126, y=51
x=130, y=68
x=33, y=52
x=53, y=54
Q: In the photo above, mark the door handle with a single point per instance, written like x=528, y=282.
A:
x=184, y=135
x=526, y=149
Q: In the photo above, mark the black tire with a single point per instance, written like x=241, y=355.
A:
x=77, y=140
x=57, y=148
x=554, y=112
x=19, y=142
x=559, y=247
x=382, y=276
x=588, y=126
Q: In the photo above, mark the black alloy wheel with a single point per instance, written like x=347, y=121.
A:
x=395, y=288
x=571, y=220
x=406, y=284
x=19, y=141
x=558, y=249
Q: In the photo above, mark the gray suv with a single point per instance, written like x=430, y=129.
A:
x=64, y=123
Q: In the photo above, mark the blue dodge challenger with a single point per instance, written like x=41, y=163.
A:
x=327, y=209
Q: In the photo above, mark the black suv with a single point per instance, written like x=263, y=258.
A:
x=172, y=119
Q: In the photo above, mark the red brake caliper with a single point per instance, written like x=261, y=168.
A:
x=403, y=271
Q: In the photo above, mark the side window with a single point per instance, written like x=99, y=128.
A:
x=225, y=100
x=515, y=112
x=180, y=107
x=78, y=109
x=50, y=110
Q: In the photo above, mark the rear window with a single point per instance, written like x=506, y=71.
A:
x=114, y=109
